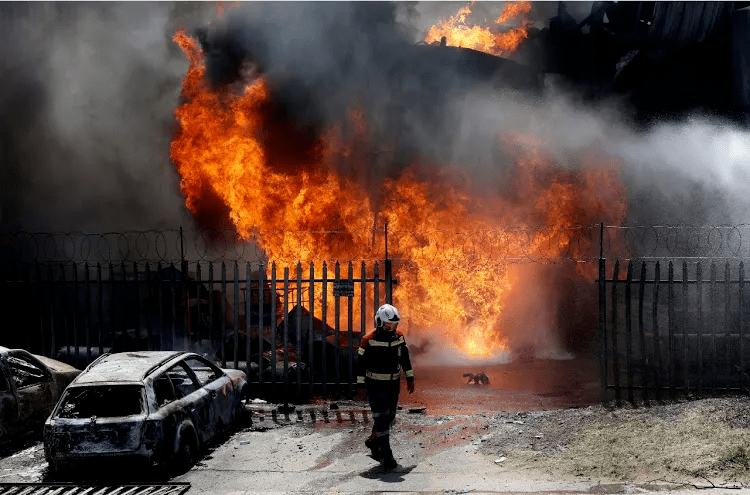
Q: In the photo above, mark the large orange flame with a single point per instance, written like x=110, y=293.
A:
x=488, y=40
x=453, y=290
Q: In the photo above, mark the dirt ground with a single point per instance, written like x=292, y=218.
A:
x=696, y=443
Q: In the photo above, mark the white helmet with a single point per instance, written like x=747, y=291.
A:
x=386, y=314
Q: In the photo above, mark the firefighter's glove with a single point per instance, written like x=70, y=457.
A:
x=410, y=386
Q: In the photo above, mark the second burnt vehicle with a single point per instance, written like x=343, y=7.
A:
x=142, y=408
x=30, y=386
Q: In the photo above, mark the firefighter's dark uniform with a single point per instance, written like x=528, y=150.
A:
x=382, y=356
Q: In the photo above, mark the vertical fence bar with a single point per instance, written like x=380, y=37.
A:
x=236, y=315
x=75, y=312
x=198, y=305
x=248, y=317
x=112, y=298
x=615, y=350
x=388, y=282
x=350, y=333
x=25, y=290
x=137, y=304
x=311, y=332
x=65, y=323
x=714, y=355
x=223, y=315
x=727, y=326
x=160, y=295
x=298, y=311
x=173, y=300
x=40, y=307
x=324, y=317
x=149, y=306
x=629, y=330
x=363, y=302
x=187, y=331
x=686, y=325
x=742, y=319
x=337, y=334
x=274, y=328
x=645, y=364
x=671, y=323
x=261, y=326
x=211, y=316
x=286, y=336
x=53, y=309
x=87, y=306
x=376, y=287
x=657, y=344
x=602, y=329
x=100, y=309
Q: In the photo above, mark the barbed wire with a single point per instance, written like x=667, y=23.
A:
x=439, y=249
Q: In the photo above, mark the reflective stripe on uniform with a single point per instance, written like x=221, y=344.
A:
x=409, y=373
x=360, y=379
x=382, y=376
x=380, y=343
x=361, y=351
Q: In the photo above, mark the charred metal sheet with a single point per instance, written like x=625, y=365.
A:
x=78, y=489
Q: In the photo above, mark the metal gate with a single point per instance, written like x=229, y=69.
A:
x=294, y=330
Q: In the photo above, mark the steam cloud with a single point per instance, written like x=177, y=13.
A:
x=89, y=90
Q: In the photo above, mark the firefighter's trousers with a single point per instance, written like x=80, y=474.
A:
x=383, y=397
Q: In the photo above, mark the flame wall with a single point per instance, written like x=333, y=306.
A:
x=352, y=176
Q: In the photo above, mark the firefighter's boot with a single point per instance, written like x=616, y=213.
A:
x=385, y=448
x=372, y=444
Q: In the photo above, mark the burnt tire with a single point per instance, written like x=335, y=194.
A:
x=187, y=452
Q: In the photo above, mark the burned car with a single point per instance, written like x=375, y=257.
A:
x=143, y=408
x=30, y=386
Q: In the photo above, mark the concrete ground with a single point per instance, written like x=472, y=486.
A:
x=314, y=450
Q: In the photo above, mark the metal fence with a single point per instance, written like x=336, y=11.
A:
x=672, y=301
x=673, y=319
x=294, y=331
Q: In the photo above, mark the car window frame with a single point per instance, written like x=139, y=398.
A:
x=190, y=374
x=23, y=355
x=218, y=371
x=171, y=386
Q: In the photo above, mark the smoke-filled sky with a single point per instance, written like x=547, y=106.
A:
x=88, y=91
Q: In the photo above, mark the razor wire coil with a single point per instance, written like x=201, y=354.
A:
x=436, y=249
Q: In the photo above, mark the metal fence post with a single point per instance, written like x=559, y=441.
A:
x=602, y=330
x=629, y=329
x=615, y=350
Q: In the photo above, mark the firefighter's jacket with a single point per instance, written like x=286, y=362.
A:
x=382, y=355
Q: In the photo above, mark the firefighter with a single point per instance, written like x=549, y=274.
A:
x=382, y=355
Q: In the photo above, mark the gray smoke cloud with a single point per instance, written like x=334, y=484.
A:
x=89, y=90
x=86, y=116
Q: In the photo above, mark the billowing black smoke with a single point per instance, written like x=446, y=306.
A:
x=88, y=94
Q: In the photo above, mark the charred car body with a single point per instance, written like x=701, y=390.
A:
x=143, y=408
x=30, y=386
